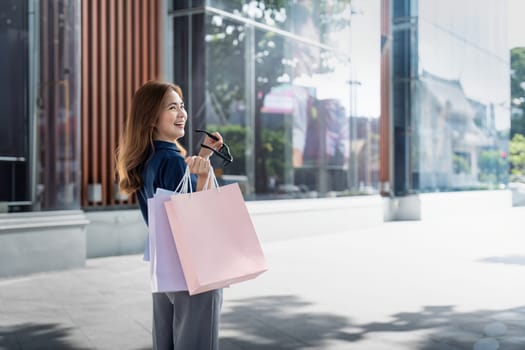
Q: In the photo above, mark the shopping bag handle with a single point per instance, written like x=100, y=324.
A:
x=213, y=178
x=185, y=183
x=185, y=186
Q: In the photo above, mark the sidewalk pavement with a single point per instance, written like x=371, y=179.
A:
x=454, y=283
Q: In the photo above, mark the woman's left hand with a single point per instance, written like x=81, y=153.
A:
x=198, y=165
x=208, y=141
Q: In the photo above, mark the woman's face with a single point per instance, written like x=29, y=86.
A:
x=172, y=119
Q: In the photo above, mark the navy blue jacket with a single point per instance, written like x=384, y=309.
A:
x=164, y=168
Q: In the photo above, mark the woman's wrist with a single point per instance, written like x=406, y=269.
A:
x=202, y=180
x=204, y=153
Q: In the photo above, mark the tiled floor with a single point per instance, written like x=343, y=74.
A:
x=454, y=283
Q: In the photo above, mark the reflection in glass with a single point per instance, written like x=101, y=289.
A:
x=316, y=21
x=43, y=149
x=185, y=4
x=463, y=115
x=225, y=101
x=14, y=118
x=58, y=164
x=285, y=106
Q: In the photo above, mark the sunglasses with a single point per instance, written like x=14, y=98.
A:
x=223, y=152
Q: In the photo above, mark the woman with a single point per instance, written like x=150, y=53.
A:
x=149, y=157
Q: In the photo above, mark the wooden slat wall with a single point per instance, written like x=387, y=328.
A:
x=120, y=52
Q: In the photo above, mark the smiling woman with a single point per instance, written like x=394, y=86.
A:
x=146, y=108
x=172, y=118
x=157, y=115
x=149, y=159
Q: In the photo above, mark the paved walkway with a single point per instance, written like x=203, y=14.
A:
x=448, y=284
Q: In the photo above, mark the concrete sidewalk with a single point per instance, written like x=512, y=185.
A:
x=457, y=283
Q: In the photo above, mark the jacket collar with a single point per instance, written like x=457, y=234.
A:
x=165, y=145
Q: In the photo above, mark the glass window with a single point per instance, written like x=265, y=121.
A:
x=39, y=93
x=14, y=79
x=312, y=20
x=463, y=88
x=287, y=109
x=302, y=125
x=283, y=96
x=226, y=93
x=186, y=4
x=57, y=143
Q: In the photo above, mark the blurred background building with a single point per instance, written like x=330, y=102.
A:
x=445, y=99
x=316, y=99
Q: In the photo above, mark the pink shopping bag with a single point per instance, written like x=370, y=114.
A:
x=165, y=269
x=215, y=238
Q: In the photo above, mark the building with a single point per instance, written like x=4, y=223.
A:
x=445, y=99
x=315, y=98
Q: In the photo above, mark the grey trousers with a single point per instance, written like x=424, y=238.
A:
x=184, y=322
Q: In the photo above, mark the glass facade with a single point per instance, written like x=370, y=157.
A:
x=292, y=85
x=280, y=85
x=14, y=81
x=462, y=95
x=39, y=149
x=57, y=151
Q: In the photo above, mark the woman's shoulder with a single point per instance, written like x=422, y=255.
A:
x=170, y=170
x=165, y=152
x=170, y=157
x=161, y=162
x=170, y=162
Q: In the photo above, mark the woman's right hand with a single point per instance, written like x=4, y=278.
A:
x=198, y=165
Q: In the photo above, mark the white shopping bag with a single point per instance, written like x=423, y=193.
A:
x=165, y=269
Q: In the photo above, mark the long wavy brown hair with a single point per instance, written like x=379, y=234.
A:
x=137, y=139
